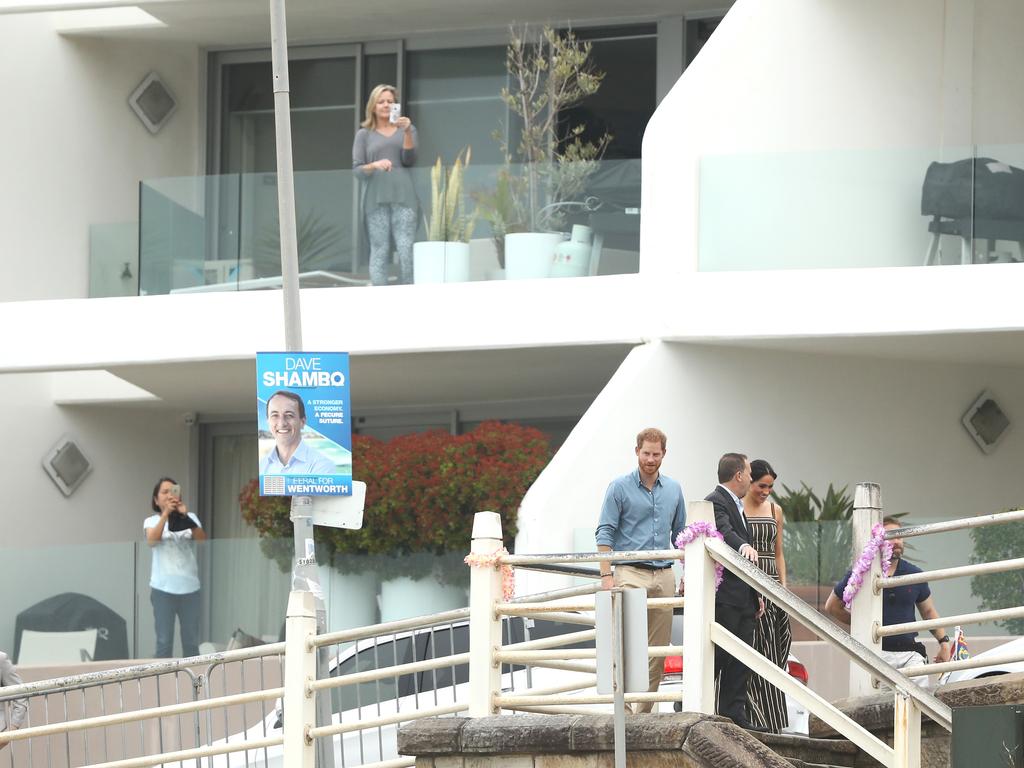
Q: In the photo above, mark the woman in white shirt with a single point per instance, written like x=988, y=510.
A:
x=174, y=578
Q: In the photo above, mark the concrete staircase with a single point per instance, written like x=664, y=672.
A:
x=683, y=740
x=804, y=752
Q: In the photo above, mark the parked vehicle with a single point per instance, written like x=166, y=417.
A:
x=1001, y=668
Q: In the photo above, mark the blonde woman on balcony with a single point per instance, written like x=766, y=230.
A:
x=766, y=704
x=383, y=151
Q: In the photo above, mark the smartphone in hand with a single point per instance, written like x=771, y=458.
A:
x=396, y=112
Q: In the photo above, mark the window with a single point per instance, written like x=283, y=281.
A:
x=454, y=98
x=627, y=98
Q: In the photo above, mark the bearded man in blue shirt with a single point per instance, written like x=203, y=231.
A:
x=644, y=510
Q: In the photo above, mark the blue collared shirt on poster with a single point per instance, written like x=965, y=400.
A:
x=305, y=461
x=634, y=518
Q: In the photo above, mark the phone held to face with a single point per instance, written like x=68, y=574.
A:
x=175, y=491
x=396, y=112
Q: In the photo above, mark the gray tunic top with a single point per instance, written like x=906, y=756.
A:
x=385, y=187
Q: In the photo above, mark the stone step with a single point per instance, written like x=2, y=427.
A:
x=801, y=764
x=811, y=751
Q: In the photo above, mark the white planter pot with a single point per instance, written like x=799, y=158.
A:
x=350, y=598
x=403, y=598
x=440, y=262
x=529, y=255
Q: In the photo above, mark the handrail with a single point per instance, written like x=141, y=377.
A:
x=841, y=722
x=564, y=570
x=389, y=627
x=996, y=566
x=956, y=525
x=592, y=557
x=141, y=714
x=858, y=653
x=944, y=621
x=955, y=666
x=89, y=679
x=557, y=594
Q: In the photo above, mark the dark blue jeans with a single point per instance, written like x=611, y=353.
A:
x=165, y=607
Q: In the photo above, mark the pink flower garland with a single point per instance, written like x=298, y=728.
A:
x=876, y=544
x=691, y=532
x=508, y=576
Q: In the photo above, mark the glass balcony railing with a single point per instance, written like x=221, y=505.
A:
x=244, y=594
x=213, y=233
x=861, y=208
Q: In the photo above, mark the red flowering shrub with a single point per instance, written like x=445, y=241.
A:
x=423, y=490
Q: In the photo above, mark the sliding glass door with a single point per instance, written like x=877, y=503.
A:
x=328, y=85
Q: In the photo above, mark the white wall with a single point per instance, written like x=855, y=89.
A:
x=129, y=449
x=813, y=124
x=817, y=418
x=75, y=154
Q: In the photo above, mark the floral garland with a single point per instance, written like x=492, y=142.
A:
x=694, y=530
x=508, y=576
x=876, y=545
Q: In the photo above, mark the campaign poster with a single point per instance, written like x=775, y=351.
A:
x=305, y=432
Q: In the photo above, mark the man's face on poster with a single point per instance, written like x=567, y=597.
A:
x=285, y=421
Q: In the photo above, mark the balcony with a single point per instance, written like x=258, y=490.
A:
x=861, y=208
x=220, y=233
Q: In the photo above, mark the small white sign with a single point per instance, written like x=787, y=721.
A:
x=341, y=511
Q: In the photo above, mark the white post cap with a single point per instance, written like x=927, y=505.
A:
x=487, y=525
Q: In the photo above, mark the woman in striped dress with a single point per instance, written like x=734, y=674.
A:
x=766, y=704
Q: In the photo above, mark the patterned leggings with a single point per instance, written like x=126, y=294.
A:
x=382, y=224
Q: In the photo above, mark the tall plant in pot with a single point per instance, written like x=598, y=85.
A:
x=444, y=256
x=549, y=71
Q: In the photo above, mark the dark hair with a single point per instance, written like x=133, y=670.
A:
x=290, y=396
x=892, y=521
x=651, y=435
x=729, y=465
x=759, y=468
x=156, y=490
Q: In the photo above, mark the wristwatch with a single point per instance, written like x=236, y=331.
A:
x=943, y=639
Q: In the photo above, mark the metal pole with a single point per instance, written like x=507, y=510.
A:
x=618, y=683
x=305, y=576
x=285, y=178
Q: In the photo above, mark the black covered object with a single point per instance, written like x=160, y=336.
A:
x=980, y=188
x=71, y=612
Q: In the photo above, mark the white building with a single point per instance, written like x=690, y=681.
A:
x=778, y=305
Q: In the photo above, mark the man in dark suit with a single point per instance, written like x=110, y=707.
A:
x=736, y=604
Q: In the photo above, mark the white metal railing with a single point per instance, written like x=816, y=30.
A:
x=202, y=726
x=866, y=609
x=122, y=717
x=367, y=677
x=701, y=634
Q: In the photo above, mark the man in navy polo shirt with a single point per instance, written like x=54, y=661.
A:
x=898, y=608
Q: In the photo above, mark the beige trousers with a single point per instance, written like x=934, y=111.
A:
x=659, y=620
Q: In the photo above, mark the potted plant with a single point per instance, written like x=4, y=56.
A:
x=444, y=256
x=549, y=73
x=503, y=207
